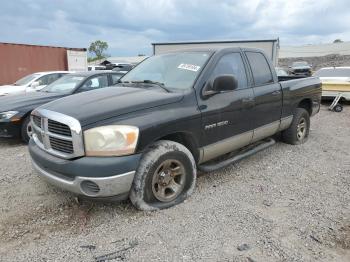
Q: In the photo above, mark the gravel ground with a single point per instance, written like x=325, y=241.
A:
x=287, y=203
x=317, y=62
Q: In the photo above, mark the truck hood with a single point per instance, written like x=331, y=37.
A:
x=26, y=101
x=94, y=106
x=11, y=89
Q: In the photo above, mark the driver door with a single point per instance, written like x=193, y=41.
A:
x=227, y=116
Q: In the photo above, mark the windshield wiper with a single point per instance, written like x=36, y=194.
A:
x=161, y=85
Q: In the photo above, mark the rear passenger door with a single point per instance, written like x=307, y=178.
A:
x=268, y=97
x=226, y=116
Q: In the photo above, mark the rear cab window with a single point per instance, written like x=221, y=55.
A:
x=260, y=68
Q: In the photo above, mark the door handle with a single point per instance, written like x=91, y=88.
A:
x=275, y=93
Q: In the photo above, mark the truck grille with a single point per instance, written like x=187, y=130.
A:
x=61, y=145
x=59, y=128
x=37, y=121
x=57, y=134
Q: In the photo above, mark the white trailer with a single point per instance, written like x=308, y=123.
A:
x=270, y=47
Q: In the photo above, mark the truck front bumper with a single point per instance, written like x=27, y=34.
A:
x=95, y=177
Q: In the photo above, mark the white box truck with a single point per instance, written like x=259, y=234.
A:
x=270, y=47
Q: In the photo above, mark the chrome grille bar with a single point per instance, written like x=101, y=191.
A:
x=58, y=134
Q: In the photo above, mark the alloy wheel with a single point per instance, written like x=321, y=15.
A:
x=301, y=129
x=168, y=180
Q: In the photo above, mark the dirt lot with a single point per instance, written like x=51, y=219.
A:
x=288, y=203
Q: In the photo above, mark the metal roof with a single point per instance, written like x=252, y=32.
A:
x=215, y=41
x=67, y=48
x=120, y=60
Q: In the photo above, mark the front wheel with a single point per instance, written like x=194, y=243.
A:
x=298, y=132
x=26, y=130
x=165, y=177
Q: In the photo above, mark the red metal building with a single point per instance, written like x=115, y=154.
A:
x=18, y=60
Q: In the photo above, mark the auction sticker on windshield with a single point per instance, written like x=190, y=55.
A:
x=190, y=67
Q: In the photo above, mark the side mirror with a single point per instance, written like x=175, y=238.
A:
x=222, y=83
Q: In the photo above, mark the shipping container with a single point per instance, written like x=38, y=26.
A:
x=270, y=47
x=19, y=60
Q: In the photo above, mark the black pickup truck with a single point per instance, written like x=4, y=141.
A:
x=170, y=116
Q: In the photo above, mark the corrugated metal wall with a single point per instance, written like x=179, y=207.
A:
x=269, y=46
x=17, y=60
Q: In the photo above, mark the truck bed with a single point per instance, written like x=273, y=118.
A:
x=296, y=88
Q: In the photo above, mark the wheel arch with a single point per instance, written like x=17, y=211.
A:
x=184, y=138
x=306, y=104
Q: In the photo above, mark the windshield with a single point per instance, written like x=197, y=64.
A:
x=178, y=70
x=300, y=64
x=64, y=85
x=333, y=72
x=26, y=80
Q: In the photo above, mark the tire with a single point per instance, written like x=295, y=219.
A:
x=166, y=176
x=338, y=108
x=26, y=130
x=298, y=132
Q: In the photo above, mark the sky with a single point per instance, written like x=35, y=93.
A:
x=130, y=26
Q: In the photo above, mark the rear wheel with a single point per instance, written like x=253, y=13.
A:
x=26, y=130
x=165, y=177
x=298, y=132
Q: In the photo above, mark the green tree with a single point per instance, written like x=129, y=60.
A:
x=98, y=48
x=337, y=41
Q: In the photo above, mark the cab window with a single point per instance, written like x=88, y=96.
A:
x=260, y=68
x=232, y=64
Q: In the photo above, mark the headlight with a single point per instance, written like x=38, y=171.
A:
x=7, y=115
x=111, y=140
